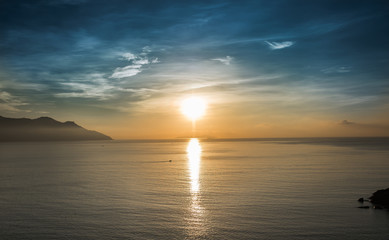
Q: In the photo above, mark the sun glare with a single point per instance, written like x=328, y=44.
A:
x=194, y=156
x=193, y=107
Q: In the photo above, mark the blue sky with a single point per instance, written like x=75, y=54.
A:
x=267, y=68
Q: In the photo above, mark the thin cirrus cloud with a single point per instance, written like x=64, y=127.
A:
x=127, y=71
x=96, y=85
x=10, y=103
x=227, y=60
x=98, y=88
x=337, y=69
x=136, y=63
x=279, y=45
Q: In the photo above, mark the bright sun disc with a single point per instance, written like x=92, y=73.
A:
x=193, y=107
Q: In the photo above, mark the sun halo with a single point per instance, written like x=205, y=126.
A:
x=193, y=107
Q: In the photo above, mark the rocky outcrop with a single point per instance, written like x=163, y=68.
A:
x=380, y=198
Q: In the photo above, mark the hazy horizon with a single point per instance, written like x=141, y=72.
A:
x=221, y=138
x=266, y=69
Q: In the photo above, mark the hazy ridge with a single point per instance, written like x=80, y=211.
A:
x=45, y=129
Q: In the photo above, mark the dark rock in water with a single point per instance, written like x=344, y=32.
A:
x=361, y=199
x=380, y=198
x=364, y=207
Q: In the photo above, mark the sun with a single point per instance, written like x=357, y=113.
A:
x=193, y=107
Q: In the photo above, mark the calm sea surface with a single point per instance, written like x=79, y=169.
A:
x=267, y=189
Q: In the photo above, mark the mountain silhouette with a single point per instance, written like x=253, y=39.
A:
x=45, y=129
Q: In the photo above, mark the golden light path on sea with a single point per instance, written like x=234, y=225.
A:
x=196, y=221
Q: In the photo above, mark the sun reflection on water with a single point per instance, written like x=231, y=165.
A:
x=194, y=156
x=196, y=225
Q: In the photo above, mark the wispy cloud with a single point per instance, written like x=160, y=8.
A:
x=127, y=71
x=10, y=103
x=137, y=61
x=128, y=56
x=93, y=85
x=143, y=92
x=138, y=90
x=279, y=45
x=337, y=69
x=98, y=86
x=227, y=60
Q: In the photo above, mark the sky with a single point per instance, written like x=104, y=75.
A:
x=265, y=68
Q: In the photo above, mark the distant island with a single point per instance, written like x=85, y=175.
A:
x=44, y=129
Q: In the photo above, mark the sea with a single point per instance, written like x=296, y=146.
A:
x=224, y=189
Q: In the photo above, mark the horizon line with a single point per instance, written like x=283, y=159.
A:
x=245, y=138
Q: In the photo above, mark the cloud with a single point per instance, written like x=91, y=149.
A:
x=128, y=56
x=141, y=61
x=143, y=92
x=338, y=69
x=97, y=86
x=127, y=71
x=227, y=60
x=137, y=61
x=86, y=90
x=346, y=123
x=138, y=90
x=10, y=103
x=93, y=85
x=279, y=45
x=146, y=50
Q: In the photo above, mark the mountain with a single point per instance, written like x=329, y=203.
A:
x=45, y=129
